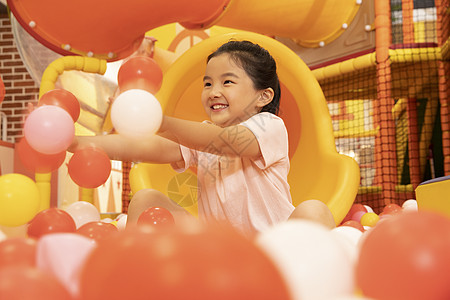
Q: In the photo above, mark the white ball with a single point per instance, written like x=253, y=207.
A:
x=83, y=212
x=410, y=205
x=350, y=236
x=122, y=222
x=136, y=114
x=369, y=209
x=313, y=261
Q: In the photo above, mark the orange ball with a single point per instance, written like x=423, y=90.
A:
x=180, y=263
x=140, y=72
x=156, y=216
x=18, y=251
x=392, y=209
x=406, y=257
x=97, y=230
x=354, y=224
x=27, y=282
x=50, y=220
x=38, y=162
x=64, y=99
x=89, y=167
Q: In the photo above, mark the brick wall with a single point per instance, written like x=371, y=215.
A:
x=20, y=87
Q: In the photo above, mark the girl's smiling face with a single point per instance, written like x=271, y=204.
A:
x=229, y=96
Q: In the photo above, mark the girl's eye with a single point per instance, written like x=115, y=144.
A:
x=206, y=84
x=227, y=82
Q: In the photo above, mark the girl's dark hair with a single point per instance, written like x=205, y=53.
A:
x=259, y=66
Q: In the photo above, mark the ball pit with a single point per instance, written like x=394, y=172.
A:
x=409, y=249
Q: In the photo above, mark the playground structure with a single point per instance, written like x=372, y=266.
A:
x=392, y=103
x=313, y=153
x=386, y=102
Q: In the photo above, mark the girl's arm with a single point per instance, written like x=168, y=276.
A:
x=232, y=140
x=154, y=149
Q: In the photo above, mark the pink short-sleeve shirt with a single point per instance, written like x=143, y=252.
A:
x=251, y=194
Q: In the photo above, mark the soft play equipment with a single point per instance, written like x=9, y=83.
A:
x=434, y=194
x=112, y=30
x=317, y=170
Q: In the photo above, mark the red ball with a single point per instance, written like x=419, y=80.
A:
x=355, y=208
x=354, y=224
x=89, y=167
x=64, y=99
x=97, y=230
x=406, y=257
x=156, y=216
x=392, y=209
x=50, y=220
x=38, y=162
x=26, y=282
x=180, y=263
x=18, y=251
x=140, y=72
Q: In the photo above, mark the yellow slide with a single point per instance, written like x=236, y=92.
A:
x=317, y=170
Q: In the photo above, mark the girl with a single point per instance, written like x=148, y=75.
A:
x=241, y=154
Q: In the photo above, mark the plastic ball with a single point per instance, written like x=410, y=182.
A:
x=410, y=205
x=18, y=251
x=49, y=129
x=38, y=162
x=156, y=216
x=368, y=208
x=369, y=219
x=26, y=282
x=186, y=262
x=83, y=212
x=122, y=222
x=350, y=237
x=19, y=199
x=89, y=167
x=354, y=224
x=51, y=220
x=97, y=230
x=310, y=258
x=358, y=215
x=136, y=114
x=406, y=257
x=355, y=207
x=64, y=99
x=140, y=72
x=63, y=255
x=392, y=209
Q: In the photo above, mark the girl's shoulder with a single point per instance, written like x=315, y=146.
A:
x=263, y=118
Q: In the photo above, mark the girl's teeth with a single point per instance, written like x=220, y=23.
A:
x=219, y=106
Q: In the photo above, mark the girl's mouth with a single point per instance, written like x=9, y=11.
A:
x=218, y=106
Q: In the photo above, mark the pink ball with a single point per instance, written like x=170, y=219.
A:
x=49, y=129
x=358, y=215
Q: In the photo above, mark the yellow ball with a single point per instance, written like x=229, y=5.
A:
x=19, y=199
x=369, y=219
